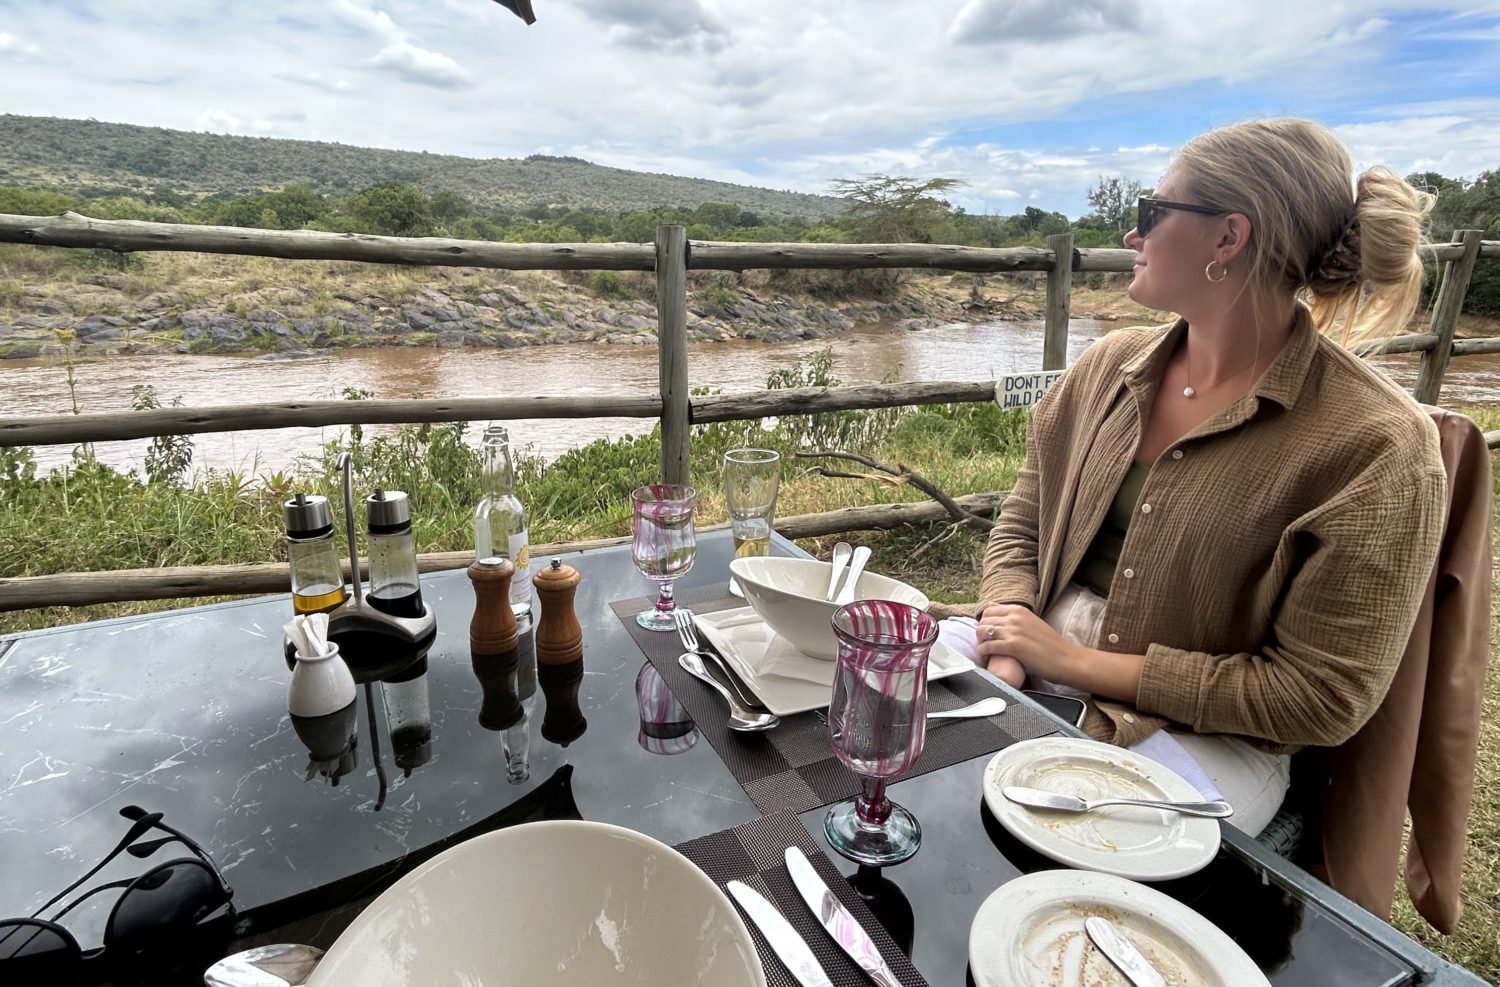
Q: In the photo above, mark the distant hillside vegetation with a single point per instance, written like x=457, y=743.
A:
x=83, y=154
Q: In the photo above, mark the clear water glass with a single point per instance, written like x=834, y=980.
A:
x=878, y=724
x=663, y=545
x=751, y=478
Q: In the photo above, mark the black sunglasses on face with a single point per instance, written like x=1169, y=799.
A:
x=153, y=919
x=1150, y=211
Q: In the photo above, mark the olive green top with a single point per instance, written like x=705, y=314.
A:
x=1097, y=569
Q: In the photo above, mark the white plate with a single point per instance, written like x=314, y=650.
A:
x=1138, y=843
x=782, y=677
x=1030, y=931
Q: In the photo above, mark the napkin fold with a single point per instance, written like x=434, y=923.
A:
x=768, y=653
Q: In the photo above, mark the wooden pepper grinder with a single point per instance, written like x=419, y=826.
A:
x=559, y=637
x=492, y=631
x=559, y=654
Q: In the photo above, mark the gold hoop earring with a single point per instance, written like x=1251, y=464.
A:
x=1208, y=272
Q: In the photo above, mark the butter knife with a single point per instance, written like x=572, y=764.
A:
x=788, y=946
x=1122, y=952
x=836, y=919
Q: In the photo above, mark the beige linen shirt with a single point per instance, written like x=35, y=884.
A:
x=1278, y=553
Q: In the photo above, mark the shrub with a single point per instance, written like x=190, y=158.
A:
x=608, y=284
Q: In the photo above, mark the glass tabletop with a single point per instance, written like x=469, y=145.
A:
x=185, y=713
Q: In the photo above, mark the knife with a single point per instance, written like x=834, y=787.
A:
x=788, y=946
x=1122, y=952
x=837, y=921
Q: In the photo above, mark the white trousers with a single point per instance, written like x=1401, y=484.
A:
x=1250, y=779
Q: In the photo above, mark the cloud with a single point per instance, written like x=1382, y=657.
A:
x=424, y=67
x=315, y=80
x=658, y=24
x=983, y=22
x=13, y=47
x=401, y=57
x=377, y=22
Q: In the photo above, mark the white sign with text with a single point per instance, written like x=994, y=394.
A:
x=1024, y=390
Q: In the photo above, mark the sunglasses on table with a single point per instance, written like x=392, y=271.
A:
x=153, y=920
x=1151, y=210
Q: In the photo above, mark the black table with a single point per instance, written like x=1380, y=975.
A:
x=185, y=712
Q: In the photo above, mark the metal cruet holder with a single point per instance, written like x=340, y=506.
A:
x=375, y=644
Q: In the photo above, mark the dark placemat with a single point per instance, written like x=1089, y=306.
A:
x=793, y=767
x=752, y=853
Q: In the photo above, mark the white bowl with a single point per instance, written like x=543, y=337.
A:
x=788, y=595
x=548, y=904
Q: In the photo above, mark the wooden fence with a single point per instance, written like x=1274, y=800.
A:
x=671, y=257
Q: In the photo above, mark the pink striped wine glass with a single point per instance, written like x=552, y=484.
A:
x=878, y=724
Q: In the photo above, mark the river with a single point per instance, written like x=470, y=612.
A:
x=953, y=352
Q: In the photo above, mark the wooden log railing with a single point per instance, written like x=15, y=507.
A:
x=671, y=257
x=179, y=582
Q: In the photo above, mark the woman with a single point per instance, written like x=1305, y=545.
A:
x=1224, y=525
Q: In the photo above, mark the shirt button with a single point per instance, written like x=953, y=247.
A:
x=1114, y=639
x=1176, y=453
x=1129, y=573
x=1128, y=717
x=1145, y=508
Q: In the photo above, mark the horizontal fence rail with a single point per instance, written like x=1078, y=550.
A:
x=110, y=426
x=124, y=235
x=178, y=582
x=671, y=257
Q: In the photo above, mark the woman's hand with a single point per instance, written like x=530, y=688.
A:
x=1015, y=632
x=1006, y=629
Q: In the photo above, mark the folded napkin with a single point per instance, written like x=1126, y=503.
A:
x=767, y=652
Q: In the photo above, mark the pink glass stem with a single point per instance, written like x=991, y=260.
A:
x=665, y=603
x=871, y=805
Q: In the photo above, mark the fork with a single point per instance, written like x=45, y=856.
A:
x=689, y=637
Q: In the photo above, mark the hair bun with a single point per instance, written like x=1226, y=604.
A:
x=1339, y=266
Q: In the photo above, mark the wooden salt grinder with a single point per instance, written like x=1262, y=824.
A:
x=492, y=631
x=559, y=637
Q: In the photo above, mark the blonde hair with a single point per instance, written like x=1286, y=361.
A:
x=1347, y=247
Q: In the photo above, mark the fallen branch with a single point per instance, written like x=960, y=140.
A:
x=895, y=476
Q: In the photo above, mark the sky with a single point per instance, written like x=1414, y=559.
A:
x=1025, y=104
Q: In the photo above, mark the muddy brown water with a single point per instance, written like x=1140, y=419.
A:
x=951, y=352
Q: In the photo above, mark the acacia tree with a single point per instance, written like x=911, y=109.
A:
x=894, y=208
x=1113, y=200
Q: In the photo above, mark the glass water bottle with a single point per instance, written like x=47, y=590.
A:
x=317, y=579
x=394, y=587
x=500, y=519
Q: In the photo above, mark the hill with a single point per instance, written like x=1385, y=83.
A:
x=86, y=154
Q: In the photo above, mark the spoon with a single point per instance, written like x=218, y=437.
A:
x=284, y=965
x=740, y=718
x=841, y=553
x=856, y=569
x=1038, y=799
x=985, y=707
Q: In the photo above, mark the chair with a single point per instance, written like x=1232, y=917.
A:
x=1345, y=813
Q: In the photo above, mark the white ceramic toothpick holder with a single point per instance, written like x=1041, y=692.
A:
x=321, y=684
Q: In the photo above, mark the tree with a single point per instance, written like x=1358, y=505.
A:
x=394, y=209
x=1114, y=200
x=894, y=208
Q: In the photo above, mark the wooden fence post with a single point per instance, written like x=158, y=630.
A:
x=671, y=342
x=1059, y=291
x=1450, y=302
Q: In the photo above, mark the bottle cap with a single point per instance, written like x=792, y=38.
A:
x=387, y=511
x=307, y=516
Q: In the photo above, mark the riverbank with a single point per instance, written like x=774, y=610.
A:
x=204, y=304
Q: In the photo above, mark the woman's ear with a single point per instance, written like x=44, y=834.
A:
x=1234, y=237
